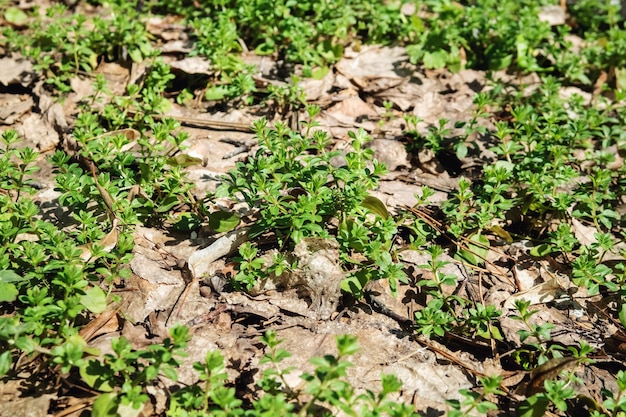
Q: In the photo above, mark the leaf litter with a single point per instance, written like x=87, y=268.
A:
x=179, y=277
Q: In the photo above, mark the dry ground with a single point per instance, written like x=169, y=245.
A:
x=351, y=96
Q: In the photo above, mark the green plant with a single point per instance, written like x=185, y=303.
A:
x=451, y=313
x=298, y=192
x=288, y=97
x=492, y=35
x=323, y=390
x=123, y=375
x=141, y=186
x=478, y=401
x=535, y=338
x=555, y=383
x=45, y=280
x=481, y=322
x=63, y=44
x=536, y=164
x=615, y=404
x=250, y=266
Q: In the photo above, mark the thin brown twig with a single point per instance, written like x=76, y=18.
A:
x=439, y=228
x=202, y=123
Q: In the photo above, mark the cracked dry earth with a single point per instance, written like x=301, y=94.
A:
x=179, y=278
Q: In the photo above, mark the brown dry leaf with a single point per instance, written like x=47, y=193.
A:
x=403, y=304
x=550, y=370
x=159, y=288
x=317, y=278
x=584, y=234
x=429, y=163
x=512, y=378
x=82, y=87
x=15, y=403
x=178, y=46
x=541, y=293
x=53, y=110
x=352, y=108
x=38, y=133
x=429, y=106
x=193, y=65
x=375, y=62
x=289, y=302
x=260, y=305
x=407, y=94
x=317, y=89
x=117, y=76
x=201, y=260
x=350, y=113
x=568, y=92
x=390, y=152
x=553, y=14
x=16, y=71
x=14, y=106
x=167, y=28
x=105, y=322
x=397, y=193
x=526, y=277
x=375, y=85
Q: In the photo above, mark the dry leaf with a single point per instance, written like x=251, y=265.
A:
x=550, y=370
x=542, y=293
x=105, y=322
x=200, y=261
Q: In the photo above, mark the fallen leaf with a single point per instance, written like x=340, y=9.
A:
x=541, y=293
x=105, y=322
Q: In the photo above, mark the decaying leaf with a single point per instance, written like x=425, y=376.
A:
x=549, y=370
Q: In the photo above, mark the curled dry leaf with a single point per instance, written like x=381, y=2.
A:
x=542, y=293
x=200, y=261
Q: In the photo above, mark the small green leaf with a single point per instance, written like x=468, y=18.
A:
x=216, y=93
x=15, y=16
x=390, y=384
x=435, y=60
x=319, y=73
x=130, y=410
x=461, y=150
x=474, y=254
x=167, y=203
x=354, y=284
x=188, y=222
x=622, y=315
x=265, y=48
x=93, y=375
x=26, y=344
x=6, y=360
x=541, y=250
x=94, y=300
x=10, y=276
x=135, y=55
x=498, y=230
x=8, y=292
x=376, y=206
x=500, y=62
x=534, y=406
x=508, y=166
x=223, y=221
x=184, y=160
x=105, y=405
x=495, y=333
